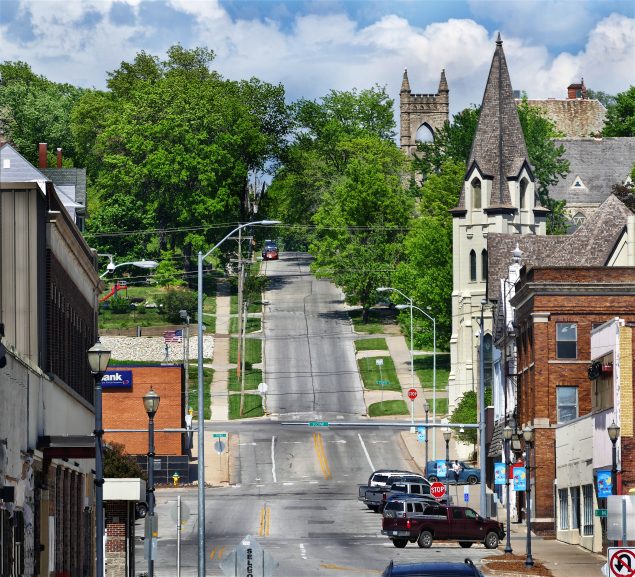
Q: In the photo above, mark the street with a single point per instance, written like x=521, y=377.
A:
x=294, y=487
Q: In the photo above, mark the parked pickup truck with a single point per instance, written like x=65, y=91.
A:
x=396, y=490
x=442, y=523
x=373, y=496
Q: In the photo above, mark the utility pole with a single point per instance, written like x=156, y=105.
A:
x=240, y=303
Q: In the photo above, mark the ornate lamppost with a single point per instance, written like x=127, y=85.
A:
x=151, y=402
x=507, y=437
x=614, y=433
x=528, y=435
x=426, y=408
x=447, y=435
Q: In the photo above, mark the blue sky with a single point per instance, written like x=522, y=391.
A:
x=314, y=46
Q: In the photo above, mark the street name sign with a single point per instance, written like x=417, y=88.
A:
x=601, y=513
x=219, y=435
x=383, y=382
x=318, y=423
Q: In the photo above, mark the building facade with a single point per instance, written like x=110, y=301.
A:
x=48, y=312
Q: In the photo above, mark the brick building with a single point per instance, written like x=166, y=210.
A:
x=556, y=310
x=123, y=390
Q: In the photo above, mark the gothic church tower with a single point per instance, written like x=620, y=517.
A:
x=421, y=115
x=498, y=195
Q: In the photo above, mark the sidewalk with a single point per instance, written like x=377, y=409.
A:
x=220, y=400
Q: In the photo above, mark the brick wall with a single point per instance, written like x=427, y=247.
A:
x=116, y=520
x=123, y=409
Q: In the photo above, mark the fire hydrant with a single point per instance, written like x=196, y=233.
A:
x=175, y=478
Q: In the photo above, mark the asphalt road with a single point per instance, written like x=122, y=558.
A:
x=296, y=486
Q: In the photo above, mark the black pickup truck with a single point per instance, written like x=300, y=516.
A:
x=441, y=523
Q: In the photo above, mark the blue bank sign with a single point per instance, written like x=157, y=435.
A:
x=117, y=379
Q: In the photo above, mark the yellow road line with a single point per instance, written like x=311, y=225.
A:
x=265, y=521
x=349, y=570
x=321, y=455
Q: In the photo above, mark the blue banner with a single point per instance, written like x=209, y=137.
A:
x=442, y=469
x=499, y=473
x=117, y=379
x=520, y=479
x=605, y=484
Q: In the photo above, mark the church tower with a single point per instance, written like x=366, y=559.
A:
x=498, y=195
x=421, y=115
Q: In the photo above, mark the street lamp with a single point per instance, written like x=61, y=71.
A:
x=614, y=433
x=98, y=359
x=426, y=408
x=434, y=371
x=447, y=435
x=507, y=437
x=111, y=266
x=528, y=435
x=151, y=402
x=201, y=404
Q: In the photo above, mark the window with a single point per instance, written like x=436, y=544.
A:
x=523, y=193
x=587, y=495
x=476, y=193
x=484, y=264
x=575, y=507
x=469, y=514
x=424, y=134
x=473, y=266
x=566, y=340
x=563, y=499
x=415, y=489
x=419, y=508
x=567, y=403
x=457, y=514
x=487, y=361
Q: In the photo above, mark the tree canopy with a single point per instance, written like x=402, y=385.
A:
x=620, y=115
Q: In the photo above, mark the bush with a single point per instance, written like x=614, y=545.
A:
x=119, y=465
x=176, y=300
x=119, y=305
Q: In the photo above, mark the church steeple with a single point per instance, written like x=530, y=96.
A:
x=443, y=83
x=405, y=84
x=499, y=147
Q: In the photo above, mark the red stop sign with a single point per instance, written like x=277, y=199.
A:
x=437, y=490
x=412, y=394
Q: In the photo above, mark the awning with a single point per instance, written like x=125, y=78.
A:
x=67, y=446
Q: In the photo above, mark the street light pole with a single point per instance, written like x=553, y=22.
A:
x=481, y=399
x=447, y=434
x=614, y=432
x=98, y=359
x=528, y=435
x=151, y=402
x=201, y=404
x=507, y=435
x=426, y=408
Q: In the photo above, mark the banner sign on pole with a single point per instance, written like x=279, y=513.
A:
x=499, y=473
x=520, y=479
x=605, y=484
x=442, y=469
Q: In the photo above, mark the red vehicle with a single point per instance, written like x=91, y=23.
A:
x=442, y=523
x=270, y=250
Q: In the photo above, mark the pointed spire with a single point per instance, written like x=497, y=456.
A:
x=499, y=42
x=443, y=83
x=499, y=145
x=405, y=85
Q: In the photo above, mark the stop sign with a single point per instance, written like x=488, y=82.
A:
x=412, y=394
x=437, y=490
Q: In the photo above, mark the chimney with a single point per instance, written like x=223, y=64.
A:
x=42, y=155
x=576, y=91
x=59, y=158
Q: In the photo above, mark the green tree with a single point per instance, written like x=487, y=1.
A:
x=34, y=109
x=604, y=98
x=173, y=301
x=118, y=464
x=620, y=116
x=167, y=273
x=465, y=412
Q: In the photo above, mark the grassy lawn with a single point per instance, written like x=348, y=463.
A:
x=255, y=307
x=388, y=408
x=136, y=317
x=442, y=407
x=116, y=362
x=254, y=324
x=253, y=377
x=253, y=351
x=371, y=345
x=376, y=320
x=208, y=374
x=423, y=368
x=370, y=374
x=252, y=407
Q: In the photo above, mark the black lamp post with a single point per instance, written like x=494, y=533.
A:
x=151, y=403
x=98, y=359
x=426, y=408
x=614, y=434
x=528, y=435
x=447, y=435
x=507, y=437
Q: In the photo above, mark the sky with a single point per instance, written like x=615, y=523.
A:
x=313, y=46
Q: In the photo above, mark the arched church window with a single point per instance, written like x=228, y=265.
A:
x=424, y=134
x=484, y=265
x=476, y=193
x=523, y=192
x=472, y=265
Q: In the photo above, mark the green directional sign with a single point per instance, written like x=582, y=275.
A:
x=318, y=423
x=601, y=512
x=219, y=435
x=383, y=382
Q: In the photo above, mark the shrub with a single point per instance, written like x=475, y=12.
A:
x=119, y=465
x=176, y=300
x=119, y=305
